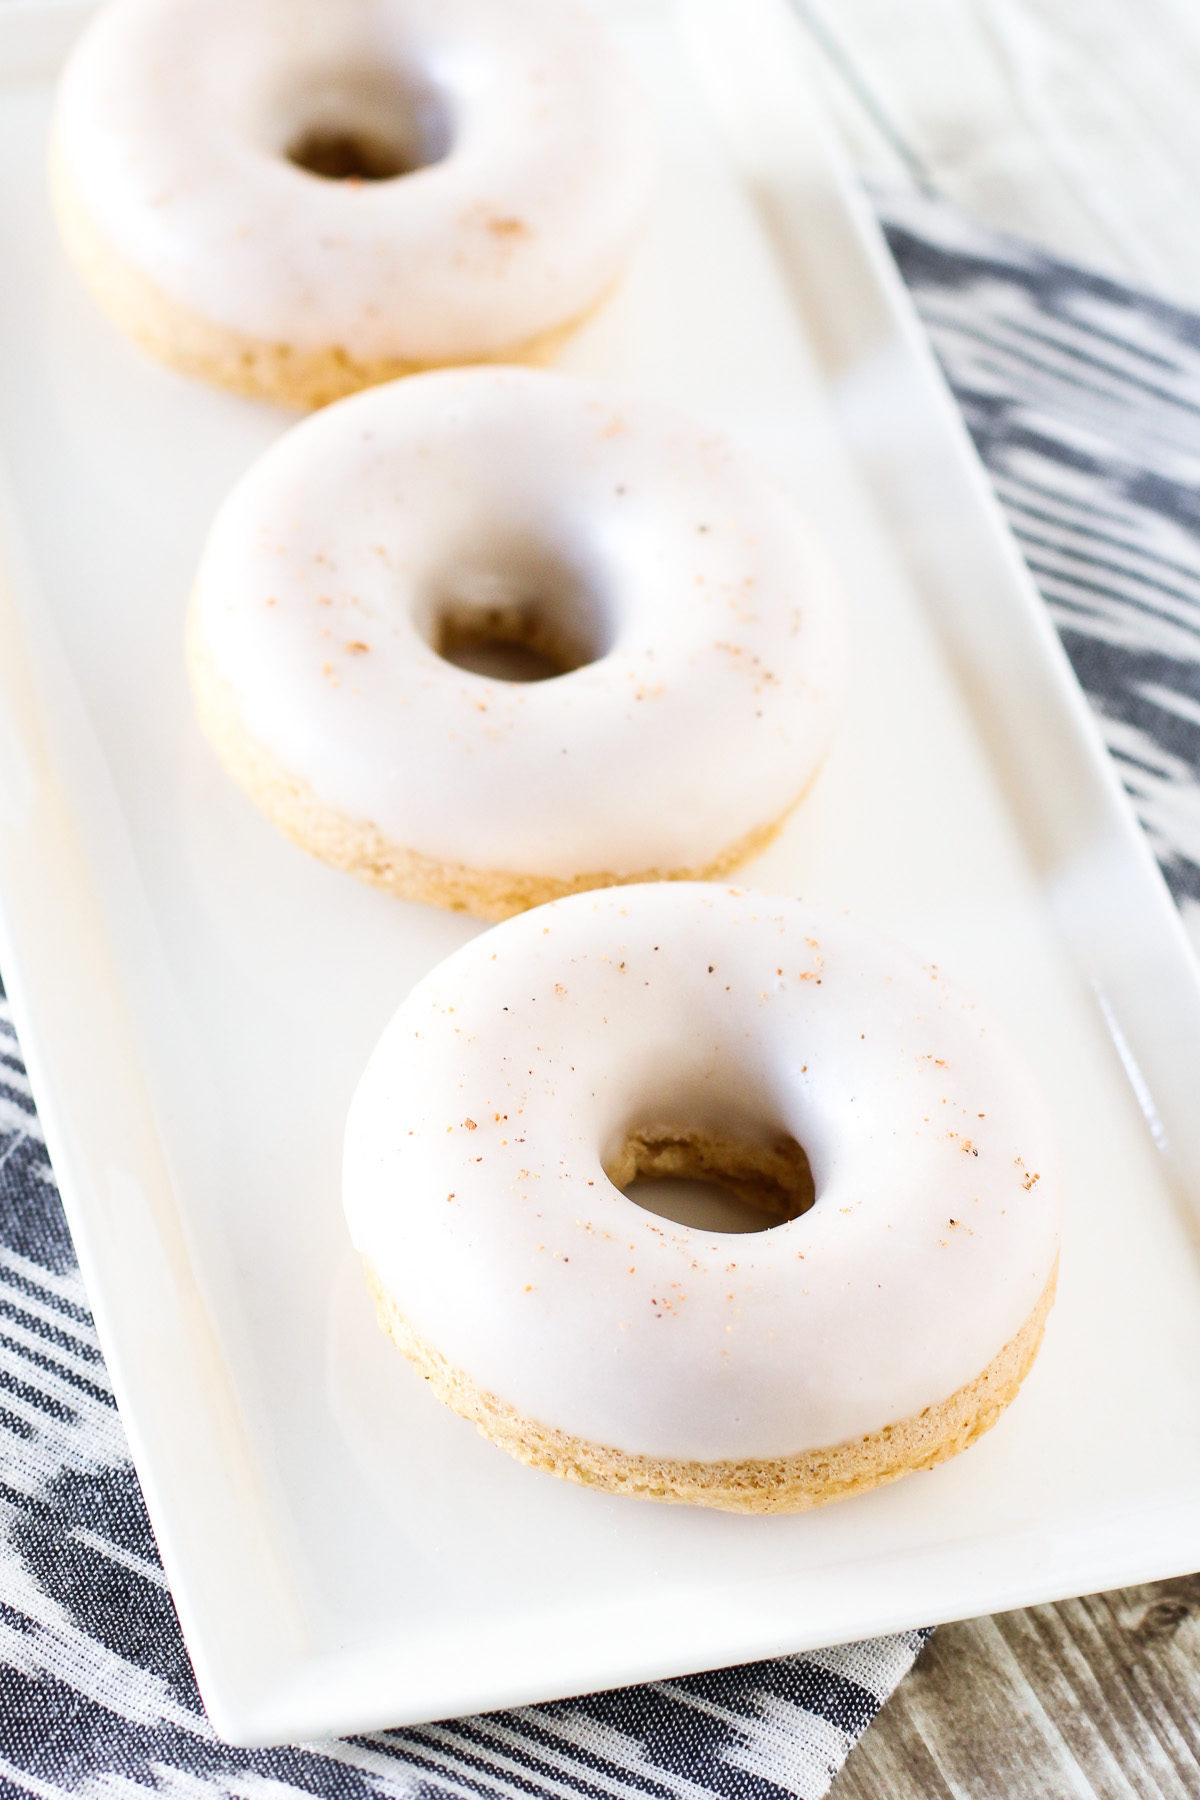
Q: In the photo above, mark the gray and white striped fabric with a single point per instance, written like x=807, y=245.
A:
x=1083, y=397
x=1085, y=401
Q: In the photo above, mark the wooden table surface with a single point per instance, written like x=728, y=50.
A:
x=1097, y=1699
x=1075, y=123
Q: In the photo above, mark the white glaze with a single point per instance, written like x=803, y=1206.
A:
x=709, y=713
x=687, y=1003
x=174, y=116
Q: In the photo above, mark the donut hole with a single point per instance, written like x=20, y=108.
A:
x=367, y=125
x=714, y=1182
x=528, y=617
x=339, y=154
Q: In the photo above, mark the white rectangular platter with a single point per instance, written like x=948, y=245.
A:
x=196, y=997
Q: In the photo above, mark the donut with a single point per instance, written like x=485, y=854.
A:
x=686, y=623
x=298, y=198
x=899, y=1151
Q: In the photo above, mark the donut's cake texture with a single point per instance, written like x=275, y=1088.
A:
x=875, y=1329
x=297, y=198
x=676, y=584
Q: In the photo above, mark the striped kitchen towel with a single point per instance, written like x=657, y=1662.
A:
x=1084, y=398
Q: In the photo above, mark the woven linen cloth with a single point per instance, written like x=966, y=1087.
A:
x=1084, y=398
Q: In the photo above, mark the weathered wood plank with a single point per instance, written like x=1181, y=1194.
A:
x=1073, y=122
x=1098, y=1699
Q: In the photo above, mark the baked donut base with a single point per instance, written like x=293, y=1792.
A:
x=185, y=340
x=772, y=1485
x=364, y=851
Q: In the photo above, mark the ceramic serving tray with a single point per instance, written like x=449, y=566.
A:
x=196, y=997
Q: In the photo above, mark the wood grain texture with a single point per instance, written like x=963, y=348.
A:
x=1097, y=1698
x=1073, y=122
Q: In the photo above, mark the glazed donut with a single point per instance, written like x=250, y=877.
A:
x=497, y=163
x=901, y=1152
x=674, y=582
